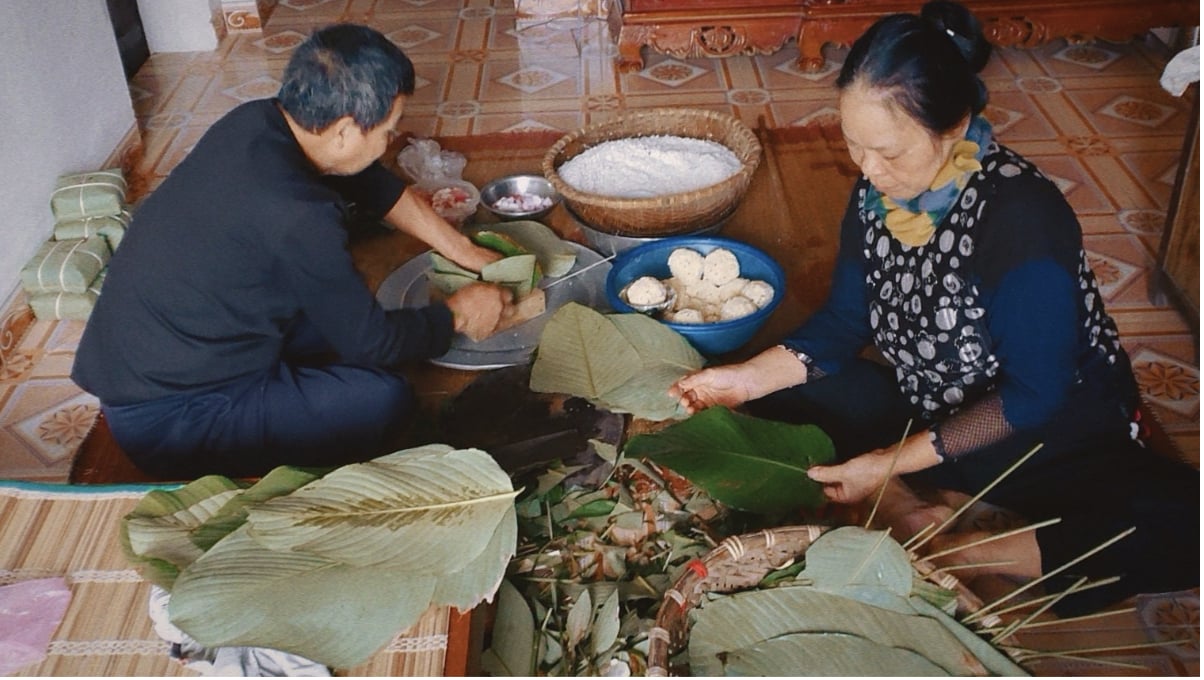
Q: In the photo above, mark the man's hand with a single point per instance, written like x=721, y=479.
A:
x=474, y=257
x=414, y=215
x=478, y=307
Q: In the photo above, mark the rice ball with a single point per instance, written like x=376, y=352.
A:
x=736, y=307
x=646, y=290
x=760, y=292
x=686, y=264
x=720, y=266
x=686, y=315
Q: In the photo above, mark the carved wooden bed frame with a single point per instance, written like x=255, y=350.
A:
x=721, y=28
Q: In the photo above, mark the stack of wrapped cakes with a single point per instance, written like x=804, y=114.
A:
x=63, y=279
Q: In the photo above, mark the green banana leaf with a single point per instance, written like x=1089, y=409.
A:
x=556, y=256
x=748, y=463
x=462, y=587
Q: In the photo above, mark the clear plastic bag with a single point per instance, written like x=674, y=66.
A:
x=423, y=159
x=437, y=174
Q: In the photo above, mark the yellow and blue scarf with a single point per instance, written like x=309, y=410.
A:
x=913, y=222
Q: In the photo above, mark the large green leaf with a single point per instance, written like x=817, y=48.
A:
x=749, y=463
x=751, y=618
x=624, y=363
x=279, y=481
x=240, y=593
x=467, y=585
x=583, y=354
x=512, y=652
x=852, y=556
x=850, y=613
x=157, y=535
x=826, y=655
x=386, y=563
x=666, y=357
x=447, y=501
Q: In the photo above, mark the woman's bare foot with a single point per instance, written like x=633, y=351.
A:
x=1016, y=555
x=905, y=513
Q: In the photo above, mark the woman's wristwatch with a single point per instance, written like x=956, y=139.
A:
x=806, y=360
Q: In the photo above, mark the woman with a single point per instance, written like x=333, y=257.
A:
x=963, y=267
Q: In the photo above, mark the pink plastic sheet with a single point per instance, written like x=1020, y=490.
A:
x=30, y=611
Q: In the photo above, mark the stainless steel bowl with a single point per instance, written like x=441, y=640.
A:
x=518, y=185
x=613, y=244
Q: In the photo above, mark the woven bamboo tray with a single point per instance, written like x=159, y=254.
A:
x=740, y=562
x=667, y=215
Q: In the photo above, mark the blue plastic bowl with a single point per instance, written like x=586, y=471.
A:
x=652, y=259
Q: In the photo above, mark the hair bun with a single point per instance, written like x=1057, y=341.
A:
x=962, y=27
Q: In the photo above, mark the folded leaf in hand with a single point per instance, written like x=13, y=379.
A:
x=748, y=463
x=624, y=363
x=556, y=256
x=583, y=354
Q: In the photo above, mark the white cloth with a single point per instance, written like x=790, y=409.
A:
x=227, y=661
x=1182, y=70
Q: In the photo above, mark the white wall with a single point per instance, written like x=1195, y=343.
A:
x=65, y=107
x=179, y=25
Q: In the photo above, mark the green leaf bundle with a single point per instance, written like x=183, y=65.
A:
x=851, y=614
x=329, y=568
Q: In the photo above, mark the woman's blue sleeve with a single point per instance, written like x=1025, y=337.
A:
x=840, y=329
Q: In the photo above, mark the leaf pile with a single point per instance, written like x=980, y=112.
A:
x=624, y=363
x=852, y=611
x=593, y=563
x=745, y=462
x=327, y=567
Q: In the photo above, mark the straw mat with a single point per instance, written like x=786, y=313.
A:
x=72, y=532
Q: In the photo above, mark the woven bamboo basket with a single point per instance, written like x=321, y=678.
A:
x=667, y=215
x=740, y=562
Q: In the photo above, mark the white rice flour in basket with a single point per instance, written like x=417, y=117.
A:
x=643, y=167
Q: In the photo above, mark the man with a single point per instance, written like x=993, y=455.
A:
x=210, y=348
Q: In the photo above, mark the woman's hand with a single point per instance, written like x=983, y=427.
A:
x=732, y=385
x=720, y=386
x=853, y=480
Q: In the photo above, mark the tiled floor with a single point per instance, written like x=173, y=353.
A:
x=1092, y=116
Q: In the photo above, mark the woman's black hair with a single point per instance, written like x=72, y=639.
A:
x=342, y=70
x=929, y=63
